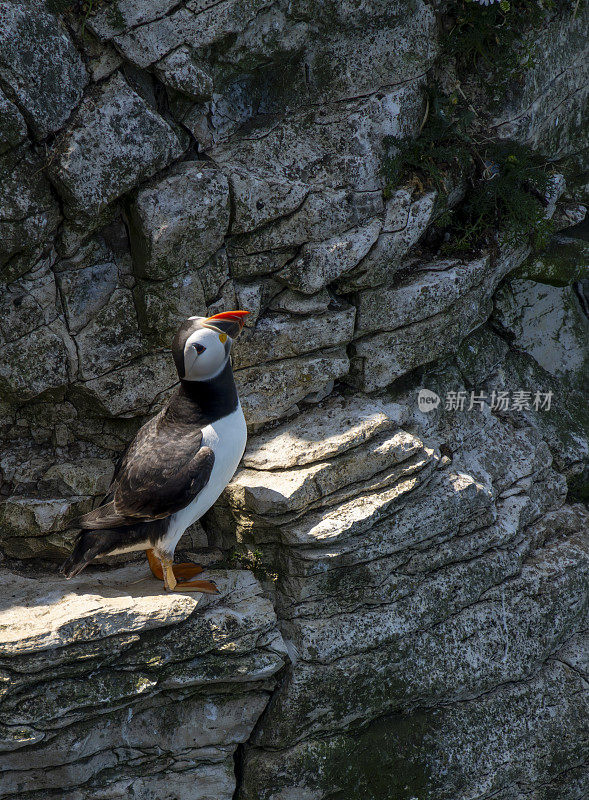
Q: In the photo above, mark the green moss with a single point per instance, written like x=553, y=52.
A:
x=252, y=560
x=564, y=262
x=384, y=761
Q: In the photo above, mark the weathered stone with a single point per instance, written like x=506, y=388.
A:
x=246, y=267
x=297, y=303
x=410, y=757
x=280, y=336
x=329, y=145
x=118, y=656
x=339, y=425
x=88, y=476
x=565, y=261
x=163, y=305
x=28, y=213
x=547, y=110
x=132, y=389
x=404, y=224
x=44, y=359
x=324, y=262
x=290, y=491
x=267, y=392
x=115, y=142
x=86, y=284
x=322, y=215
x=180, y=221
x=23, y=518
x=549, y=324
x=428, y=567
x=180, y=70
x=129, y=14
x=28, y=303
x=262, y=198
x=13, y=128
x=422, y=295
x=41, y=65
x=111, y=338
x=145, y=38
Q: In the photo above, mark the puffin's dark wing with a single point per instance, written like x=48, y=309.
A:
x=161, y=473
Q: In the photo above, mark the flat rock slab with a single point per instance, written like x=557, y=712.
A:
x=48, y=612
x=323, y=432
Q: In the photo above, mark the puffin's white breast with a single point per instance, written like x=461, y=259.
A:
x=227, y=438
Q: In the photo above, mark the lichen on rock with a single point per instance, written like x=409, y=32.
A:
x=409, y=616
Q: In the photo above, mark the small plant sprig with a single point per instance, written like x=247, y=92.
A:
x=505, y=182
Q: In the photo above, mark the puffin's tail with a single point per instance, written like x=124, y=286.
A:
x=89, y=544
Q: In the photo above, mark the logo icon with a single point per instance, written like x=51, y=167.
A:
x=427, y=400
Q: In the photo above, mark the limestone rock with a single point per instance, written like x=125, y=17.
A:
x=116, y=142
x=296, y=303
x=339, y=425
x=86, y=284
x=111, y=338
x=179, y=222
x=565, y=261
x=322, y=263
x=280, y=336
x=88, y=476
x=322, y=215
x=404, y=223
x=549, y=324
x=28, y=213
x=41, y=65
x=145, y=33
x=547, y=110
x=424, y=294
x=13, y=128
x=428, y=568
x=181, y=71
x=42, y=360
x=130, y=390
x=268, y=392
x=262, y=198
x=25, y=519
x=118, y=659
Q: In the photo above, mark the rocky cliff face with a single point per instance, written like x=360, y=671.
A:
x=424, y=631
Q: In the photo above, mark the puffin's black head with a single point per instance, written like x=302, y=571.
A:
x=203, y=344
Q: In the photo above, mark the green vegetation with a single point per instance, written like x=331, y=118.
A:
x=504, y=182
x=485, y=52
x=488, y=39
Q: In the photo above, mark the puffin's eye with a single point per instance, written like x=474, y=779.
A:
x=200, y=348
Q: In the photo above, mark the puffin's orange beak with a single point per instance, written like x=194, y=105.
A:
x=229, y=322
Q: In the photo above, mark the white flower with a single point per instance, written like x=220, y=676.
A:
x=486, y=2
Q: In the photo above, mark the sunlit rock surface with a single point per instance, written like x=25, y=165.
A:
x=112, y=686
x=416, y=626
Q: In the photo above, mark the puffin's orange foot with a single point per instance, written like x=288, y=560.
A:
x=208, y=587
x=177, y=576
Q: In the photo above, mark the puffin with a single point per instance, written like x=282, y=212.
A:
x=178, y=463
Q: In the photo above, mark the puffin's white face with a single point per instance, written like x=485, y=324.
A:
x=205, y=354
x=202, y=345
